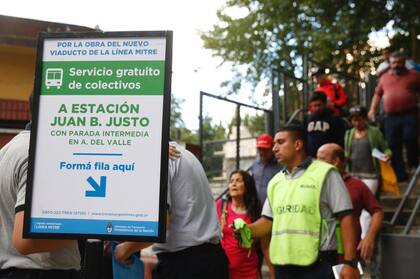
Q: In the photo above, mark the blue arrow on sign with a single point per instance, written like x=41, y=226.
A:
x=99, y=189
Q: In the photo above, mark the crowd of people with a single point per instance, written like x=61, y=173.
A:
x=308, y=199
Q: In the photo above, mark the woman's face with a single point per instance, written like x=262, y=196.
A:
x=358, y=122
x=236, y=186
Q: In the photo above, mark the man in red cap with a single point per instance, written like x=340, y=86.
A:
x=263, y=169
x=265, y=166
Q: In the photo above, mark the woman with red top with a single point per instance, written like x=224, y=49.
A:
x=242, y=202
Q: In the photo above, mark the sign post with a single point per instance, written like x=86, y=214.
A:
x=98, y=153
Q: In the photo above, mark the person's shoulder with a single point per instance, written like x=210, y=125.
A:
x=382, y=66
x=373, y=129
x=414, y=73
x=256, y=162
x=278, y=176
x=328, y=167
x=385, y=76
x=354, y=182
x=19, y=145
x=337, y=118
x=349, y=131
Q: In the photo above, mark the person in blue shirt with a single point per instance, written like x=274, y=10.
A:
x=263, y=169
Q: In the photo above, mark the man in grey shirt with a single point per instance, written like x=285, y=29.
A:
x=192, y=248
x=27, y=258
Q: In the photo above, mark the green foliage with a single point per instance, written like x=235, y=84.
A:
x=255, y=124
x=211, y=132
x=405, y=15
x=178, y=131
x=176, y=119
x=214, y=136
x=273, y=33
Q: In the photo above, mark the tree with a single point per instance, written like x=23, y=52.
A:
x=405, y=16
x=178, y=131
x=214, y=136
x=255, y=124
x=272, y=35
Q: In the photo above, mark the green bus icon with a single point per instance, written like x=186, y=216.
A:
x=54, y=77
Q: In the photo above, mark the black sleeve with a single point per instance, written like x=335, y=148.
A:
x=344, y=213
x=267, y=217
x=19, y=208
x=339, y=131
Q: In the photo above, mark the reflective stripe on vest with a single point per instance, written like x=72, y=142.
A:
x=295, y=204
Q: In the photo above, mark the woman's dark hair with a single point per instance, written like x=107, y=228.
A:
x=358, y=111
x=252, y=202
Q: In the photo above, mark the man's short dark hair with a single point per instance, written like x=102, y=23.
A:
x=296, y=132
x=320, y=71
x=318, y=96
x=398, y=54
x=339, y=153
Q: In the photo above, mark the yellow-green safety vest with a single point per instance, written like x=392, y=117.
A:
x=297, y=221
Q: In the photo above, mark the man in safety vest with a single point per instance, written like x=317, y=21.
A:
x=303, y=203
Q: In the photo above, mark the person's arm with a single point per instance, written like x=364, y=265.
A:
x=27, y=246
x=335, y=194
x=371, y=205
x=374, y=106
x=173, y=152
x=417, y=83
x=348, y=233
x=383, y=146
x=342, y=96
x=124, y=250
x=261, y=227
x=367, y=244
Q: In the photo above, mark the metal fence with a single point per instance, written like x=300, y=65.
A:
x=236, y=150
x=293, y=90
x=290, y=100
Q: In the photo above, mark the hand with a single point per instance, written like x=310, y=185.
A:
x=366, y=247
x=371, y=115
x=349, y=272
x=236, y=234
x=387, y=158
x=123, y=254
x=173, y=152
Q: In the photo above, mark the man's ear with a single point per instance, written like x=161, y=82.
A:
x=337, y=162
x=299, y=145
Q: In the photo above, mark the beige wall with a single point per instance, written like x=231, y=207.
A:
x=17, y=69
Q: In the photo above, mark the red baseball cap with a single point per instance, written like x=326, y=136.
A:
x=265, y=141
